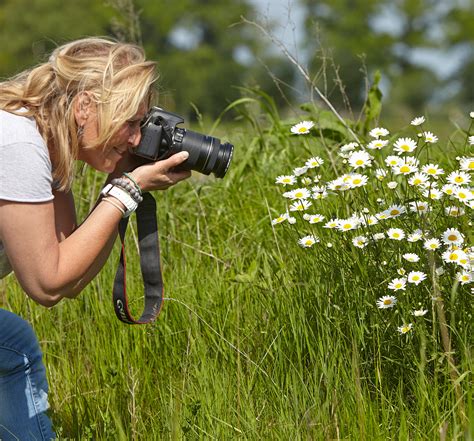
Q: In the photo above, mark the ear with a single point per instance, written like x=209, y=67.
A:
x=82, y=107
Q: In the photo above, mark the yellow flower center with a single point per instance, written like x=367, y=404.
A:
x=302, y=129
x=471, y=165
x=359, y=162
x=459, y=179
x=394, y=212
x=404, y=169
x=405, y=147
x=452, y=237
x=387, y=302
x=347, y=226
x=453, y=256
x=357, y=181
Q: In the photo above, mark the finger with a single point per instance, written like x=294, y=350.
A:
x=180, y=175
x=175, y=160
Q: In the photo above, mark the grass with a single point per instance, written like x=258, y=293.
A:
x=259, y=340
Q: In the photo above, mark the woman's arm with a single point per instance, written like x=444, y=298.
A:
x=49, y=268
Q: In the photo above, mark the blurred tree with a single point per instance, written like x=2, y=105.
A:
x=401, y=38
x=201, y=50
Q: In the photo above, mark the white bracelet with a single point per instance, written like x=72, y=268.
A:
x=120, y=194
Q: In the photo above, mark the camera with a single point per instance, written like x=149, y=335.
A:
x=161, y=139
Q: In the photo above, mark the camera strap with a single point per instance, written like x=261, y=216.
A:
x=149, y=249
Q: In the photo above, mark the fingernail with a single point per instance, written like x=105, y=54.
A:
x=184, y=155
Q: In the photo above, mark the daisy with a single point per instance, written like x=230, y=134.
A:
x=282, y=218
x=452, y=237
x=416, y=277
x=415, y=236
x=431, y=244
x=398, y=284
x=314, y=162
x=419, y=312
x=357, y=180
x=369, y=221
x=348, y=147
x=314, y=218
x=471, y=140
x=393, y=161
x=299, y=193
x=459, y=178
x=285, y=180
x=360, y=158
x=333, y=223
x=419, y=207
x=378, y=236
x=386, y=302
x=320, y=195
x=306, y=180
x=300, y=205
x=463, y=195
x=430, y=138
x=404, y=145
x=464, y=277
x=433, y=193
x=418, y=179
x=395, y=233
x=298, y=171
x=338, y=184
x=432, y=170
x=378, y=132
x=411, y=257
x=377, y=144
x=449, y=189
x=396, y=210
x=348, y=224
x=380, y=173
x=404, y=168
x=308, y=241
x=360, y=241
x=466, y=164
x=418, y=121
x=454, y=211
x=404, y=329
x=392, y=185
x=302, y=128
x=455, y=256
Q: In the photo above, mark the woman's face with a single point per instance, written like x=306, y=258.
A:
x=105, y=157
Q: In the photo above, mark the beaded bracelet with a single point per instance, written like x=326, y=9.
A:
x=129, y=188
x=127, y=175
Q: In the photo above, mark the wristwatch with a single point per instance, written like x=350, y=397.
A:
x=122, y=196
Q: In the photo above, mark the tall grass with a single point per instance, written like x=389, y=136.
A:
x=258, y=340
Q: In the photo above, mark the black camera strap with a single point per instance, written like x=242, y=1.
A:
x=149, y=249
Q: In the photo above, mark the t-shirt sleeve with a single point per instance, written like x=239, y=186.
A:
x=25, y=173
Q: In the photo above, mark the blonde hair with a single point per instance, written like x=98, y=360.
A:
x=116, y=75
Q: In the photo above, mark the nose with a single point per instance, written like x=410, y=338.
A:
x=135, y=137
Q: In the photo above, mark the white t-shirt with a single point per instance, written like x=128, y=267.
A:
x=25, y=166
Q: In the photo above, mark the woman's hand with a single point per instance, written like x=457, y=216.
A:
x=161, y=175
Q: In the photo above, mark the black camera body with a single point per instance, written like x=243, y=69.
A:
x=161, y=139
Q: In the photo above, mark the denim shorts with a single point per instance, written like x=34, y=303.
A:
x=23, y=384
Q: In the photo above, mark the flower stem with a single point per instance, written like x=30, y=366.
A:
x=446, y=340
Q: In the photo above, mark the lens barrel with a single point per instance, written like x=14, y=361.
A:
x=206, y=154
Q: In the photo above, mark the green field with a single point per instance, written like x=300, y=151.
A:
x=262, y=339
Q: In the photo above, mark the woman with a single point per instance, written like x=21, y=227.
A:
x=86, y=104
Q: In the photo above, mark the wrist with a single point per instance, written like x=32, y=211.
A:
x=122, y=196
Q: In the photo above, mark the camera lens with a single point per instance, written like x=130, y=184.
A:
x=206, y=154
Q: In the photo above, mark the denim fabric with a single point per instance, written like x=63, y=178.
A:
x=23, y=385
